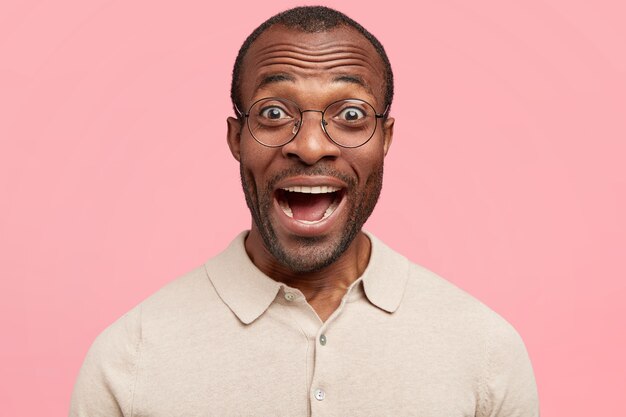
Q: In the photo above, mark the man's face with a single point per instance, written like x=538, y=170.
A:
x=310, y=197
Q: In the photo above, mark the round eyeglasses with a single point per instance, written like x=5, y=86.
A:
x=274, y=122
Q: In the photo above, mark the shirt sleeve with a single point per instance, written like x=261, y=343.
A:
x=106, y=381
x=509, y=388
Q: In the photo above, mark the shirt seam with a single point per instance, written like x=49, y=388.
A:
x=138, y=356
x=483, y=405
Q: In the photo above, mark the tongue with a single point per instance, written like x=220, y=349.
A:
x=310, y=207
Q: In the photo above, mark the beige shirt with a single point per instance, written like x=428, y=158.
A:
x=226, y=340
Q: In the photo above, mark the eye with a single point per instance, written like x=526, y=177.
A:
x=351, y=114
x=273, y=113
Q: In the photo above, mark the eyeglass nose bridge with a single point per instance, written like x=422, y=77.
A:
x=298, y=124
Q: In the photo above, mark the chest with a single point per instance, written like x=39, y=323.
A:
x=289, y=364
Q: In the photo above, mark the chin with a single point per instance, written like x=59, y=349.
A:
x=309, y=254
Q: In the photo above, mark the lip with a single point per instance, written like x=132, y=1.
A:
x=311, y=181
x=293, y=226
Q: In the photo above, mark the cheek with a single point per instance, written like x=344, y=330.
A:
x=256, y=162
x=367, y=162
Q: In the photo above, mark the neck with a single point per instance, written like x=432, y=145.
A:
x=324, y=288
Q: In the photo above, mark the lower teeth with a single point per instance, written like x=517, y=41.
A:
x=287, y=210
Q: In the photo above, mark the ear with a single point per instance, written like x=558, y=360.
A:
x=234, y=137
x=388, y=133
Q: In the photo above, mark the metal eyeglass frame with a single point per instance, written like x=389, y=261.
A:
x=323, y=122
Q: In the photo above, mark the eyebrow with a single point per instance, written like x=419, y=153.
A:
x=354, y=79
x=274, y=78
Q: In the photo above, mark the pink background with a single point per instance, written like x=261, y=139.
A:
x=506, y=175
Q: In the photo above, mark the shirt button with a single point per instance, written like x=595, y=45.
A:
x=289, y=296
x=323, y=340
x=319, y=394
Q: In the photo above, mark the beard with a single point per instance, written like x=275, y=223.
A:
x=311, y=254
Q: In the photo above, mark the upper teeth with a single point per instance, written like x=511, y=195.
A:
x=312, y=190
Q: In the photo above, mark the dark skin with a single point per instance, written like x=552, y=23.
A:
x=323, y=289
x=312, y=69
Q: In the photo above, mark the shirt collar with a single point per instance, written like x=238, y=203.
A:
x=248, y=292
x=386, y=275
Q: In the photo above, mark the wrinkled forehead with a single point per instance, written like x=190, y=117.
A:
x=288, y=52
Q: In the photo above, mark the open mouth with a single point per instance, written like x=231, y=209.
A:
x=309, y=204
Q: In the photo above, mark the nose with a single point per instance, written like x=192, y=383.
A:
x=311, y=143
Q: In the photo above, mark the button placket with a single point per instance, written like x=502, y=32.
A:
x=323, y=373
x=321, y=367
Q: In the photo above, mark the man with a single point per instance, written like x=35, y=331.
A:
x=306, y=314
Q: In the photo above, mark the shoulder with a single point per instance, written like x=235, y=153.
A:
x=187, y=292
x=123, y=337
x=106, y=381
x=174, y=300
x=505, y=377
x=429, y=300
x=425, y=293
x=430, y=287
x=429, y=291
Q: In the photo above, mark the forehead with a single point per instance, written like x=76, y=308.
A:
x=290, y=57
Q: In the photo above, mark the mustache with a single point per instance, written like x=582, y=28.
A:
x=317, y=170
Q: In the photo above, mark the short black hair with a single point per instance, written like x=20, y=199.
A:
x=309, y=19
